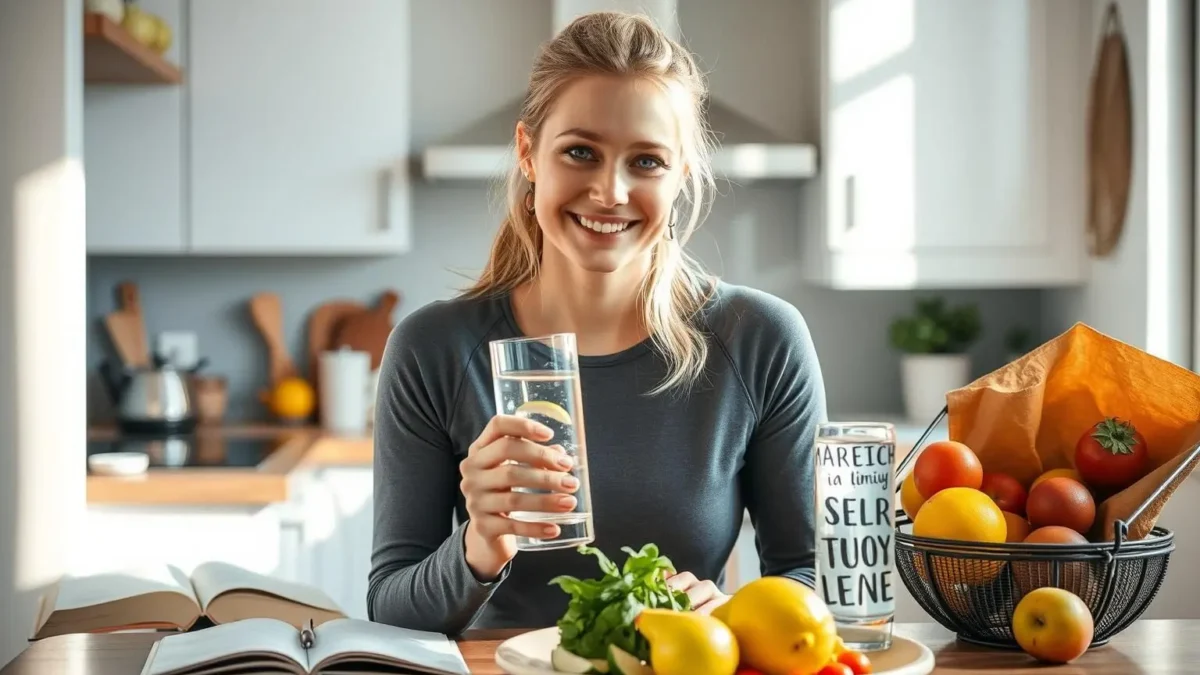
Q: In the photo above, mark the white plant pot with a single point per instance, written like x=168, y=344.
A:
x=927, y=378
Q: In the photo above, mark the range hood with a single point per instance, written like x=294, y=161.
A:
x=746, y=150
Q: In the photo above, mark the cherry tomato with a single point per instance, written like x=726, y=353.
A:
x=1111, y=454
x=858, y=662
x=835, y=669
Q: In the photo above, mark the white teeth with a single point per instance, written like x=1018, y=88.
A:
x=603, y=228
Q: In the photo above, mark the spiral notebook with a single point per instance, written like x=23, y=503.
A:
x=337, y=647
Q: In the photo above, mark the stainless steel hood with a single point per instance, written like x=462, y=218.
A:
x=747, y=151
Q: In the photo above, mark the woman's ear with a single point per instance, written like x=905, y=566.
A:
x=524, y=142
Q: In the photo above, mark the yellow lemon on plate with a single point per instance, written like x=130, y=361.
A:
x=545, y=408
x=781, y=625
x=687, y=643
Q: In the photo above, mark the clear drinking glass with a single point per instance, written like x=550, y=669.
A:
x=538, y=378
x=855, y=517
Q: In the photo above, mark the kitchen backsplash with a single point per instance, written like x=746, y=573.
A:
x=751, y=237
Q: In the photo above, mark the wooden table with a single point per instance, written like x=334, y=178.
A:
x=1158, y=647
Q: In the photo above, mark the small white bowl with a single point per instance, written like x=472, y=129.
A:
x=119, y=463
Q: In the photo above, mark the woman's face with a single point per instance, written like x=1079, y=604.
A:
x=607, y=168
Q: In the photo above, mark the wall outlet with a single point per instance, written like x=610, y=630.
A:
x=179, y=348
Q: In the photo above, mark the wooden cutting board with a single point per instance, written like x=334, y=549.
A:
x=1110, y=140
x=368, y=330
x=127, y=328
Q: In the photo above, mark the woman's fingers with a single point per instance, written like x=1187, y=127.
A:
x=518, y=476
x=700, y=593
x=495, y=526
x=501, y=426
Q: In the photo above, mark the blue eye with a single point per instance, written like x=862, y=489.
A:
x=654, y=163
x=580, y=152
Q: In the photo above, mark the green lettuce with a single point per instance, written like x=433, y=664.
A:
x=601, y=611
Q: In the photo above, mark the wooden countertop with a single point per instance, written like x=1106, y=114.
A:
x=298, y=449
x=1160, y=647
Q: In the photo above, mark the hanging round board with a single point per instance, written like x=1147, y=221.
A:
x=1110, y=140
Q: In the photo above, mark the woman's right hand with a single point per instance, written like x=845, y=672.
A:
x=488, y=476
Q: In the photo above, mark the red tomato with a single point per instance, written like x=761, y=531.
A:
x=1006, y=491
x=946, y=464
x=1111, y=454
x=835, y=669
x=858, y=662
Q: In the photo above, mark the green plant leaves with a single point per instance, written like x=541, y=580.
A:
x=601, y=611
x=935, y=328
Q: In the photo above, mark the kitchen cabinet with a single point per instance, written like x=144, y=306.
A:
x=133, y=158
x=334, y=514
x=298, y=127
x=952, y=138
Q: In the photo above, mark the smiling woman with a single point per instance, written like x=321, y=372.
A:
x=702, y=397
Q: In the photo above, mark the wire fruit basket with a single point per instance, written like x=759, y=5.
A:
x=972, y=588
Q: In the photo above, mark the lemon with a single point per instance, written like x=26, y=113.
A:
x=781, y=625
x=292, y=398
x=687, y=643
x=547, y=408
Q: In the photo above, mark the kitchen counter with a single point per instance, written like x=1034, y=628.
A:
x=209, y=480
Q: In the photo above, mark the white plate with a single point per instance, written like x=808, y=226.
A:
x=118, y=463
x=529, y=654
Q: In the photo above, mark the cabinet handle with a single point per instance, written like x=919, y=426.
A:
x=849, y=203
x=393, y=185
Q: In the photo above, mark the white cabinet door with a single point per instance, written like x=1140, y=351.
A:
x=940, y=167
x=299, y=126
x=337, y=509
x=133, y=158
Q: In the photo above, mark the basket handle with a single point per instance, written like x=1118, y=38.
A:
x=1121, y=527
x=916, y=449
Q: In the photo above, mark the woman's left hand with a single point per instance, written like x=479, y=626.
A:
x=705, y=595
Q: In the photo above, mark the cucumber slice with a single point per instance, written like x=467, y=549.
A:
x=624, y=663
x=566, y=662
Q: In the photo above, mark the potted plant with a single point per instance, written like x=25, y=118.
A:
x=934, y=341
x=1016, y=341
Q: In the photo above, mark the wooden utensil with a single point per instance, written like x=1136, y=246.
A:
x=267, y=312
x=1110, y=140
x=127, y=328
x=368, y=330
x=321, y=325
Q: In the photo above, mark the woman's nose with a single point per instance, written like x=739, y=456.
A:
x=610, y=188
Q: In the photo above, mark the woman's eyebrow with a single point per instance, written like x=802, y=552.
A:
x=598, y=138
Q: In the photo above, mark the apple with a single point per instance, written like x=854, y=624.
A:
x=1053, y=625
x=1006, y=491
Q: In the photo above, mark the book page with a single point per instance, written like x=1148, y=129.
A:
x=252, y=640
x=343, y=641
x=95, y=589
x=211, y=579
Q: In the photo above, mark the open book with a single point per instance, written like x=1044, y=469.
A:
x=338, y=646
x=164, y=598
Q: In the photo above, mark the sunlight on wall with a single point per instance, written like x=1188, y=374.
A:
x=49, y=322
x=868, y=33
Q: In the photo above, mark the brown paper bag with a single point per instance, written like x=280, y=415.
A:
x=1026, y=417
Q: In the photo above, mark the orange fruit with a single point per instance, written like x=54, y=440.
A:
x=1057, y=473
x=1016, y=527
x=946, y=464
x=1054, y=534
x=1081, y=578
x=1061, y=501
x=961, y=513
x=910, y=498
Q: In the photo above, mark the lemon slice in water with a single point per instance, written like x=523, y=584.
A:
x=552, y=410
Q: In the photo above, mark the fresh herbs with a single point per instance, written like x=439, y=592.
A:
x=601, y=611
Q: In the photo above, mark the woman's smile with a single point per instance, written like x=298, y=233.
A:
x=605, y=226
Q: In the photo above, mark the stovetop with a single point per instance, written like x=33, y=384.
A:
x=193, y=451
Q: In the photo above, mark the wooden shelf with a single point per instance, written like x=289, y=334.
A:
x=112, y=56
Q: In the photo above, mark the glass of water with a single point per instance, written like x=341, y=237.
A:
x=855, y=516
x=538, y=378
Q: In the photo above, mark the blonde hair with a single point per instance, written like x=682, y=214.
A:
x=676, y=289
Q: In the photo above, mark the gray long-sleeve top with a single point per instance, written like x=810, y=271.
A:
x=677, y=471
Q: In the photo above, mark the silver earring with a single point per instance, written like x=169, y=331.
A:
x=671, y=226
x=529, y=199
